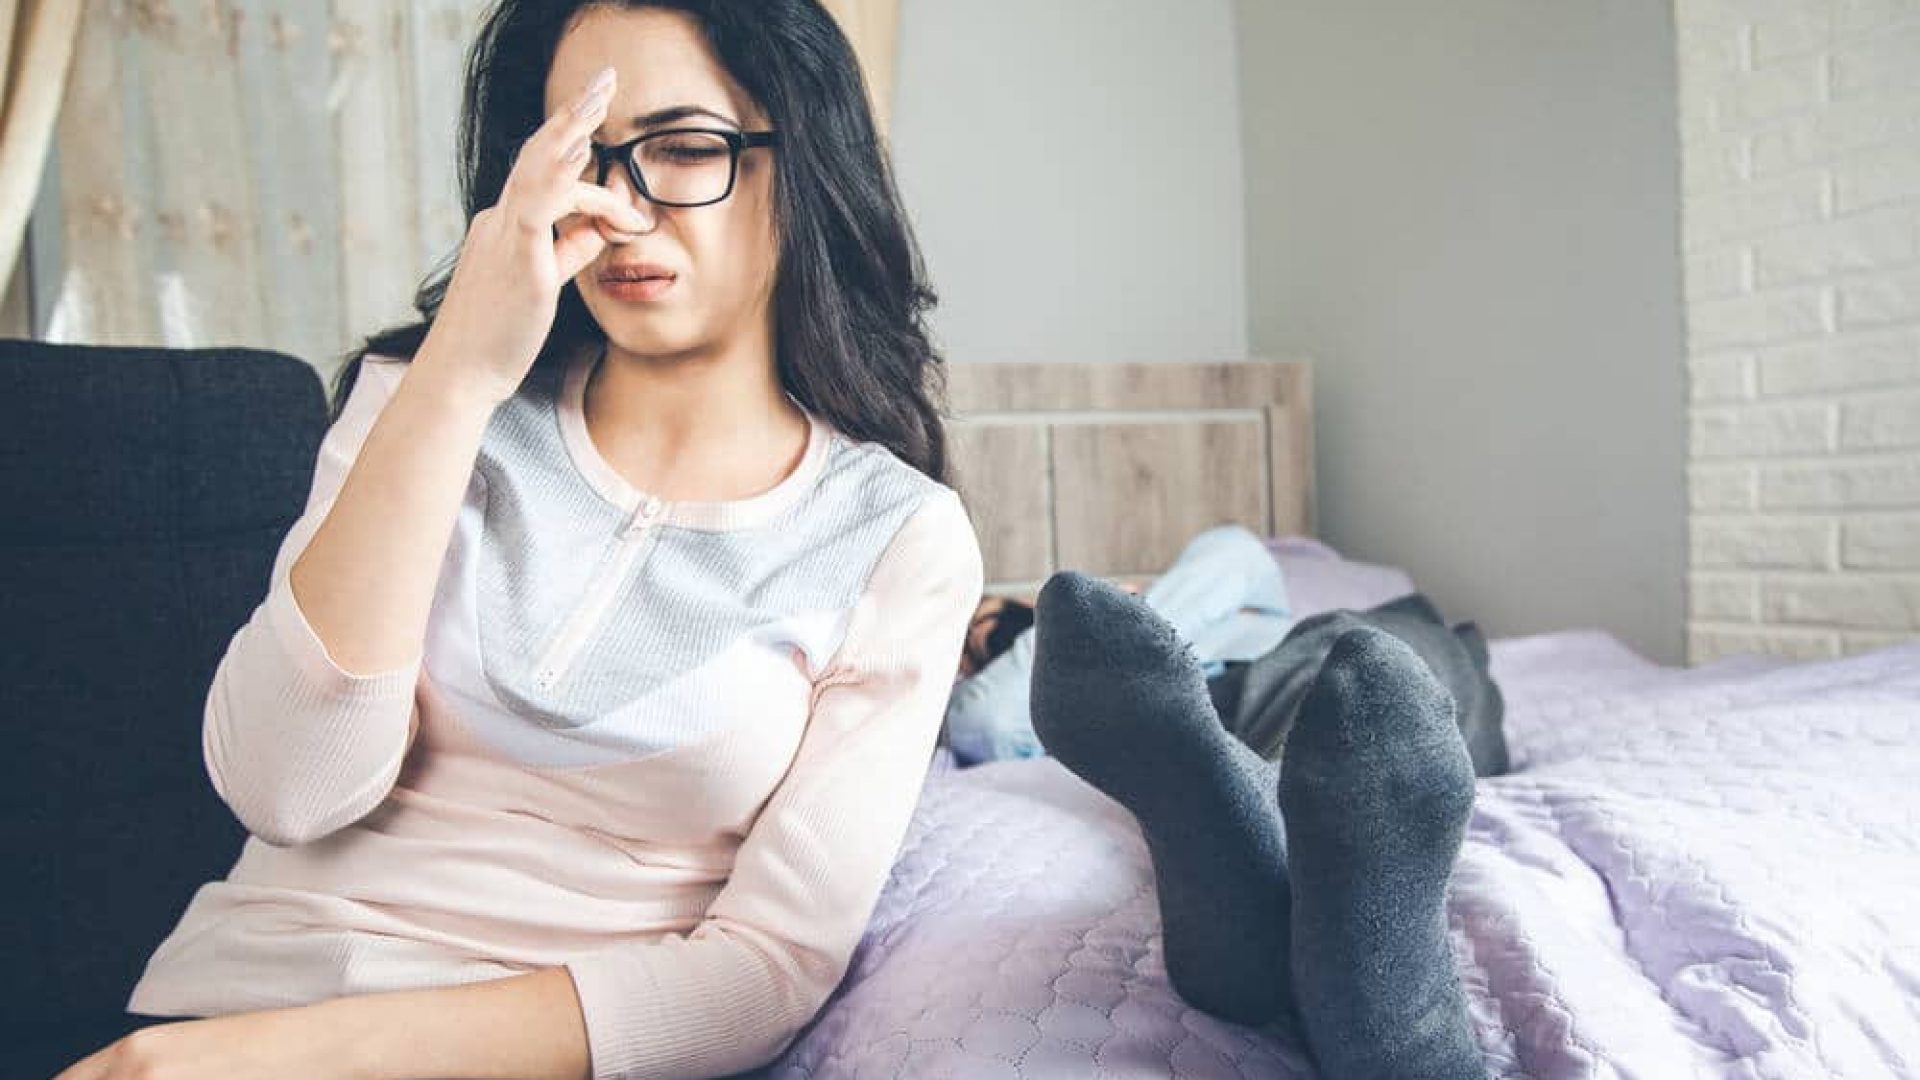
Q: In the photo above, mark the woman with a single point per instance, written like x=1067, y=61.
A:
x=593, y=692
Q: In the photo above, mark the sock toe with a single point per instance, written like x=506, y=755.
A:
x=1084, y=619
x=1368, y=678
x=1378, y=727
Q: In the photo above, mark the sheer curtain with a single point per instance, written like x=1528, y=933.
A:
x=268, y=173
x=36, y=50
x=265, y=173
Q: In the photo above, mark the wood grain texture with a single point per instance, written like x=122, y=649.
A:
x=1005, y=488
x=1290, y=454
x=1111, y=468
x=1037, y=387
x=1129, y=496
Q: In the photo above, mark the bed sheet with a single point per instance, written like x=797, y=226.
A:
x=1691, y=872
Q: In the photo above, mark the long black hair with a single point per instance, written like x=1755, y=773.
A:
x=850, y=299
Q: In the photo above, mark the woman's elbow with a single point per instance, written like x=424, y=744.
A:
x=285, y=812
x=282, y=794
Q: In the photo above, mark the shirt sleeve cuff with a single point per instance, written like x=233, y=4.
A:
x=687, y=1006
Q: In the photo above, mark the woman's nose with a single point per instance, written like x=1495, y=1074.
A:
x=621, y=185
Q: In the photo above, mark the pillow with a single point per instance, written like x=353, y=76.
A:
x=1321, y=579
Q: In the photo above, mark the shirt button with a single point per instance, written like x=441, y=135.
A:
x=653, y=504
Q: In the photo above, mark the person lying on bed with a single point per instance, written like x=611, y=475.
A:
x=1226, y=596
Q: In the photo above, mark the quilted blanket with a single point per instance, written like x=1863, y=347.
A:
x=1711, y=871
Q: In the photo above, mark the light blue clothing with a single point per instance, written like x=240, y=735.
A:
x=1219, y=572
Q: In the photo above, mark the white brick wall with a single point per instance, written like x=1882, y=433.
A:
x=1800, y=163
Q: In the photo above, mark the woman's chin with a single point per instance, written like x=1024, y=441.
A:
x=649, y=335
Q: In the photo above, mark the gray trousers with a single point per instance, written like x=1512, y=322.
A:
x=1258, y=700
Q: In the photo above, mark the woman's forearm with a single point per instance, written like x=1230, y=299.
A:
x=526, y=1027
x=366, y=580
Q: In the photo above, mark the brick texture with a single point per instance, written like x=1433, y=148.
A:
x=1800, y=170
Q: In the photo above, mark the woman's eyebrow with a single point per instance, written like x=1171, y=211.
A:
x=680, y=112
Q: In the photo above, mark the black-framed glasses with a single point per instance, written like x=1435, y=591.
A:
x=681, y=166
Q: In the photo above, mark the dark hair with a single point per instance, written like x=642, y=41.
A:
x=850, y=297
x=1012, y=618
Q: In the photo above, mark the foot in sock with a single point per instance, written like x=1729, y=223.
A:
x=1375, y=789
x=1118, y=697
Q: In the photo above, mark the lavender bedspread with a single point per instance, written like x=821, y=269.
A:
x=1693, y=872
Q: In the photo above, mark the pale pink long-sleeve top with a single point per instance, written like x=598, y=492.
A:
x=671, y=746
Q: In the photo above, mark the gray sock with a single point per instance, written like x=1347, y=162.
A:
x=1375, y=788
x=1118, y=697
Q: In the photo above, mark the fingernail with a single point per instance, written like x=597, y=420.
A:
x=596, y=94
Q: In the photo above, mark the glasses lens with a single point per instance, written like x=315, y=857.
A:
x=685, y=166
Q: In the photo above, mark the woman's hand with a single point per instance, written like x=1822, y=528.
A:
x=547, y=227
x=270, y=1045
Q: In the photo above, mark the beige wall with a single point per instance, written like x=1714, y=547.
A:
x=1801, y=121
x=1467, y=215
x=1073, y=171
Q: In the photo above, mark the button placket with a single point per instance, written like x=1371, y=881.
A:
x=644, y=515
x=561, y=653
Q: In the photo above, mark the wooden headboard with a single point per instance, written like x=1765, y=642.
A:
x=1111, y=468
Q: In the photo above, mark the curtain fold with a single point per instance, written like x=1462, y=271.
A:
x=269, y=173
x=36, y=51
x=874, y=28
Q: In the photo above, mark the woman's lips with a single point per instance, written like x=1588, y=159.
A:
x=637, y=283
x=647, y=289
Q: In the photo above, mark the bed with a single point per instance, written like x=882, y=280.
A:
x=1704, y=871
